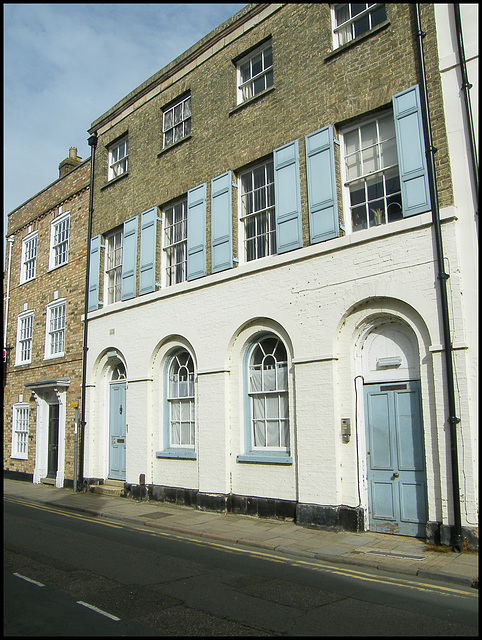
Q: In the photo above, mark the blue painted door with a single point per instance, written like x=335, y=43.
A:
x=117, y=431
x=397, y=499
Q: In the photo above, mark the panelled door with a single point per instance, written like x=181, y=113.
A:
x=53, y=446
x=395, y=458
x=117, y=431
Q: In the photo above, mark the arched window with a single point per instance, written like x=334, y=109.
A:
x=268, y=395
x=180, y=398
x=119, y=373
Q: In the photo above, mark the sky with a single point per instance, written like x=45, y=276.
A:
x=65, y=65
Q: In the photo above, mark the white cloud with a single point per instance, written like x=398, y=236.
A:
x=67, y=64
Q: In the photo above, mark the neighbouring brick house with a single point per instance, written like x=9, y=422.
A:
x=266, y=331
x=45, y=300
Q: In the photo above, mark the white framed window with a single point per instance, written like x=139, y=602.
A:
x=255, y=72
x=55, y=331
x=180, y=400
x=268, y=395
x=176, y=121
x=372, y=192
x=257, y=213
x=175, y=242
x=352, y=20
x=59, y=241
x=113, y=265
x=20, y=415
x=29, y=257
x=24, y=338
x=118, y=153
x=119, y=373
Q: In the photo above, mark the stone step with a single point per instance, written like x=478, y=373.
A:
x=110, y=488
x=114, y=483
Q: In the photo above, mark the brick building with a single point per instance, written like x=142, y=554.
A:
x=267, y=327
x=44, y=304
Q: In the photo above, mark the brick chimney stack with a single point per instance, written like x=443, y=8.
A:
x=67, y=165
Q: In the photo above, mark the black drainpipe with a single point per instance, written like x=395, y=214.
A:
x=442, y=277
x=466, y=86
x=92, y=143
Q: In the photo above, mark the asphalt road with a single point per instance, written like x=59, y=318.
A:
x=71, y=574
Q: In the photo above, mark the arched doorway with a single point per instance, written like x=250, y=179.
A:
x=117, y=423
x=396, y=477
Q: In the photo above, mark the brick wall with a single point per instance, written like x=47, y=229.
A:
x=71, y=193
x=313, y=87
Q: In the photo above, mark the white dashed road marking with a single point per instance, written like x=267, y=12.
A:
x=39, y=584
x=104, y=613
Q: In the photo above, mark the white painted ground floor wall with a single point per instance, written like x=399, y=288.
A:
x=323, y=301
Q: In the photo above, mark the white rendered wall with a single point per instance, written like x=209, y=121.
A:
x=315, y=299
x=465, y=277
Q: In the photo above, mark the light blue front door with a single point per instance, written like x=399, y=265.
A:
x=397, y=500
x=117, y=431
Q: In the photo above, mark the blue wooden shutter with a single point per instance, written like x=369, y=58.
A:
x=412, y=162
x=147, y=262
x=320, y=170
x=287, y=198
x=94, y=267
x=221, y=223
x=196, y=232
x=129, y=259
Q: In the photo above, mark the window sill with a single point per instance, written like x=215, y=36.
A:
x=173, y=145
x=114, y=180
x=57, y=355
x=269, y=457
x=355, y=41
x=181, y=454
x=258, y=96
x=19, y=457
x=53, y=268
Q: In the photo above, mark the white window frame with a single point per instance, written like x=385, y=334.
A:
x=118, y=158
x=176, y=119
x=114, y=242
x=268, y=396
x=59, y=240
x=263, y=243
x=29, y=257
x=346, y=30
x=55, y=329
x=20, y=420
x=376, y=216
x=181, y=401
x=174, y=243
x=249, y=86
x=23, y=352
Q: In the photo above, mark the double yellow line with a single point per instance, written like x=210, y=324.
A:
x=59, y=511
x=270, y=556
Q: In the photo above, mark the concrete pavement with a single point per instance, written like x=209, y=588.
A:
x=392, y=553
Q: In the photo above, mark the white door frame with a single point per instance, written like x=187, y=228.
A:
x=366, y=374
x=44, y=397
